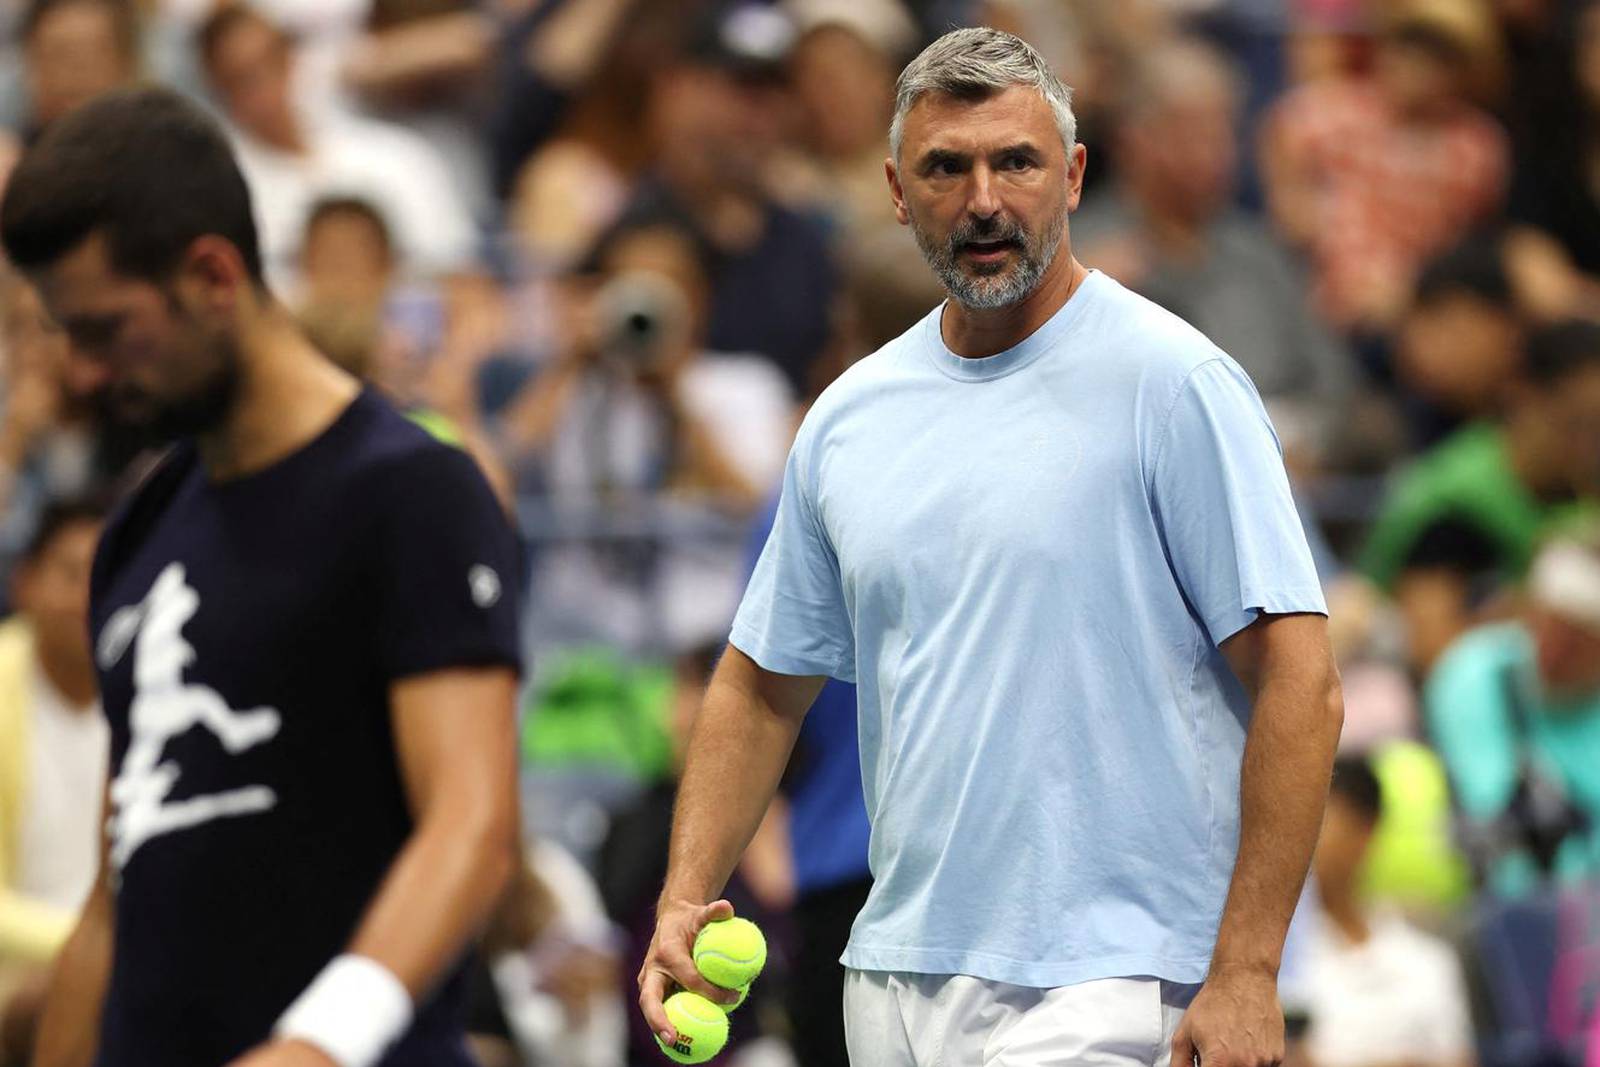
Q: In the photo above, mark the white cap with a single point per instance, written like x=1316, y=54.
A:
x=884, y=24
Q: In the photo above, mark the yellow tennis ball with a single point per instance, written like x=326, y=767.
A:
x=730, y=953
x=702, y=1028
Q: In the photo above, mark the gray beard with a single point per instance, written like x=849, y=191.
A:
x=1008, y=286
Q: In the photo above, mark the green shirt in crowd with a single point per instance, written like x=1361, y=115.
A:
x=1466, y=478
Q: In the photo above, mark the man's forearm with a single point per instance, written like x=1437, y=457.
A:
x=1284, y=785
x=70, y=1030
x=737, y=753
x=438, y=895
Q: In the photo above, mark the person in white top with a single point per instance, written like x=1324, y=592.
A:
x=53, y=750
x=1380, y=992
x=293, y=156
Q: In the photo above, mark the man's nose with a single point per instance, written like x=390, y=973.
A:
x=86, y=374
x=983, y=199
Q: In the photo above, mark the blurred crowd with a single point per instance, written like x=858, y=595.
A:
x=614, y=247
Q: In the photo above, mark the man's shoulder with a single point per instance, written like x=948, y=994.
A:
x=393, y=451
x=1137, y=335
x=873, y=374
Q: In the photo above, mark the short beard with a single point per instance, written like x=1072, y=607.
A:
x=206, y=408
x=986, y=292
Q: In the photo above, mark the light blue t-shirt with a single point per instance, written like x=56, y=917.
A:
x=1026, y=563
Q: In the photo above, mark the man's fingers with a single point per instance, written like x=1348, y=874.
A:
x=714, y=912
x=1183, y=1050
x=652, y=991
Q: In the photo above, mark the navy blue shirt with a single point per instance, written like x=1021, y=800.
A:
x=247, y=633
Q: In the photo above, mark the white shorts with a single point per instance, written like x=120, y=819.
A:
x=941, y=1020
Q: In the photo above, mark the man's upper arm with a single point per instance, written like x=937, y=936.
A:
x=1276, y=643
x=1221, y=498
x=446, y=569
x=789, y=695
x=455, y=737
x=793, y=619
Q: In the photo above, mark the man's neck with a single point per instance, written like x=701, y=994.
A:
x=288, y=395
x=977, y=332
x=74, y=682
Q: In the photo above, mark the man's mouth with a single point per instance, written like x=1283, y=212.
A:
x=988, y=251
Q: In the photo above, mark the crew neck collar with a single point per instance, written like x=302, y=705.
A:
x=1019, y=355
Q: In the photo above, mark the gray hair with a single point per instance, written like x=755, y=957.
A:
x=974, y=64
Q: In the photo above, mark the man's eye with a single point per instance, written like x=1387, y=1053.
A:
x=946, y=167
x=1017, y=163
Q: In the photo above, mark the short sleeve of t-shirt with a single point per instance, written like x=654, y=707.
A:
x=1222, y=499
x=793, y=618
x=447, y=568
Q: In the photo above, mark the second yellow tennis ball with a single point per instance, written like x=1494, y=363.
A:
x=730, y=953
x=701, y=1025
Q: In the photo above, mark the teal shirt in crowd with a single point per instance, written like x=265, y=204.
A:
x=1476, y=733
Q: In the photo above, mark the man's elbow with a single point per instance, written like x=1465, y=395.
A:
x=1333, y=704
x=487, y=831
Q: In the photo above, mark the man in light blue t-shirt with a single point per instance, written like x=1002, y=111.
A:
x=1048, y=534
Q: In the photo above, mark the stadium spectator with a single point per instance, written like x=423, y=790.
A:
x=293, y=156
x=713, y=119
x=1372, y=176
x=1168, y=230
x=49, y=446
x=571, y=66
x=843, y=70
x=1464, y=518
x=639, y=414
x=53, y=752
x=74, y=50
x=1459, y=344
x=426, y=65
x=1553, y=196
x=1514, y=709
x=421, y=350
x=1379, y=991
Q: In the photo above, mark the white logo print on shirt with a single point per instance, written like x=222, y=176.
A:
x=164, y=707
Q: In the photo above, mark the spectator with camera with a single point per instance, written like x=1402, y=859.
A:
x=639, y=420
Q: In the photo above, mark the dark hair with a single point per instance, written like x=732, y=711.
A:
x=58, y=516
x=1475, y=267
x=1355, y=783
x=352, y=206
x=1557, y=352
x=223, y=21
x=124, y=20
x=147, y=168
x=652, y=213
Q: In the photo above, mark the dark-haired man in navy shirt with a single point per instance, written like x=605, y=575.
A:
x=305, y=633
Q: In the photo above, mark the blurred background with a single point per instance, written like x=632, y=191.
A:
x=615, y=247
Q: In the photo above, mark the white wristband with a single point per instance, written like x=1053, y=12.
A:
x=353, y=1011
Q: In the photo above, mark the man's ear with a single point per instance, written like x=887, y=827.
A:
x=897, y=192
x=1077, y=160
x=213, y=273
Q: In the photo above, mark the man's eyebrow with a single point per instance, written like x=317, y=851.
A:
x=1021, y=148
x=934, y=156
